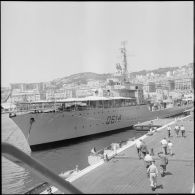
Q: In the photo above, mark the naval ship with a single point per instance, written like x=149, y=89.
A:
x=45, y=123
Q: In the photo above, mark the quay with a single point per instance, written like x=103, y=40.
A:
x=125, y=173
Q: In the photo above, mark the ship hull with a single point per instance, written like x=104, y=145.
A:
x=41, y=129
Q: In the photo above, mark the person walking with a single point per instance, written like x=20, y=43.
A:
x=144, y=149
x=105, y=156
x=148, y=161
x=169, y=147
x=152, y=152
x=182, y=131
x=177, y=130
x=164, y=145
x=163, y=163
x=138, y=144
x=153, y=173
x=169, y=131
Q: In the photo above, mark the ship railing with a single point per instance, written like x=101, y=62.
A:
x=47, y=109
x=17, y=156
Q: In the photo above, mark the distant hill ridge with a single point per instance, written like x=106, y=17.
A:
x=84, y=77
x=81, y=78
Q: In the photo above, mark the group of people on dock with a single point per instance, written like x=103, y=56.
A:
x=177, y=130
x=148, y=156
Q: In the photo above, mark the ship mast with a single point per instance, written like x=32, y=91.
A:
x=124, y=61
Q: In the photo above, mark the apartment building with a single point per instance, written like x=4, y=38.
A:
x=184, y=84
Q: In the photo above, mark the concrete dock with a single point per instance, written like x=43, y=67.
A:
x=125, y=173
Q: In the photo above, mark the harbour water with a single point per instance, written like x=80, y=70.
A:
x=16, y=179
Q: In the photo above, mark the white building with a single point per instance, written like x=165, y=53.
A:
x=169, y=73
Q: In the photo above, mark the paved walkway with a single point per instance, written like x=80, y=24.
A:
x=127, y=174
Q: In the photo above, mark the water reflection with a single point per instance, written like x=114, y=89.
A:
x=13, y=177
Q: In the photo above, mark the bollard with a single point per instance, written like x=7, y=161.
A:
x=76, y=169
x=106, y=157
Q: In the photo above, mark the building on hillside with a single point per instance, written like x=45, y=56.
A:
x=149, y=87
x=170, y=85
x=159, y=86
x=184, y=84
x=25, y=87
x=93, y=83
x=84, y=92
x=26, y=97
x=169, y=73
x=165, y=85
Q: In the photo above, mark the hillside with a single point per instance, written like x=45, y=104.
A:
x=156, y=71
x=83, y=78
x=80, y=78
x=160, y=70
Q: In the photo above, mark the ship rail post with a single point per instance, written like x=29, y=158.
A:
x=14, y=154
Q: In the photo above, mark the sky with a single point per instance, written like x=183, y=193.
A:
x=42, y=41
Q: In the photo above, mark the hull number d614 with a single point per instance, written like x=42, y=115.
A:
x=113, y=119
